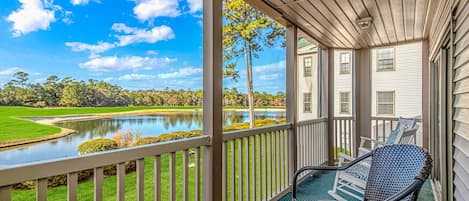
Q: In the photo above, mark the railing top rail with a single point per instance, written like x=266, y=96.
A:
x=344, y=118
x=418, y=118
x=312, y=121
x=43, y=169
x=255, y=131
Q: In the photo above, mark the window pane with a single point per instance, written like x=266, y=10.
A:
x=385, y=59
x=308, y=62
x=344, y=68
x=307, y=98
x=344, y=102
x=385, y=102
x=345, y=58
x=308, y=72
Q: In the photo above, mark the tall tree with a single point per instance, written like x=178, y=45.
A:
x=245, y=32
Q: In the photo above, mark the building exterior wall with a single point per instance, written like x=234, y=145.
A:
x=342, y=83
x=405, y=80
x=308, y=84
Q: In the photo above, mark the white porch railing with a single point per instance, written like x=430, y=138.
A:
x=256, y=165
x=71, y=166
x=312, y=142
x=343, y=136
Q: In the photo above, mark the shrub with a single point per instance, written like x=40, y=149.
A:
x=124, y=138
x=97, y=145
x=146, y=140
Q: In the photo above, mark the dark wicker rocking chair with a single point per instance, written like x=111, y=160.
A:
x=397, y=172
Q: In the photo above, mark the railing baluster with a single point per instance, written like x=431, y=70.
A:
x=285, y=161
x=274, y=162
x=41, y=189
x=5, y=193
x=336, y=136
x=98, y=183
x=72, y=180
x=384, y=130
x=258, y=161
x=264, y=165
x=247, y=183
x=172, y=175
x=157, y=174
x=233, y=170
x=140, y=179
x=120, y=181
x=223, y=169
x=281, y=159
x=197, y=173
x=253, y=168
x=271, y=164
x=240, y=168
x=185, y=164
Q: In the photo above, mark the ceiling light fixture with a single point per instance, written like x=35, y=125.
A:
x=364, y=23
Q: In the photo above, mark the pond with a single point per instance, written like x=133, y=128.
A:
x=145, y=125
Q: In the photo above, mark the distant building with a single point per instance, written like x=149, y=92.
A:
x=396, y=81
x=308, y=105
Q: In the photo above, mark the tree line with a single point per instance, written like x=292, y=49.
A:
x=69, y=92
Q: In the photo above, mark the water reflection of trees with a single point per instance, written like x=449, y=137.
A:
x=101, y=127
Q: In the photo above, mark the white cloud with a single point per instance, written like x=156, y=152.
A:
x=93, y=49
x=136, y=35
x=134, y=63
x=152, y=52
x=32, y=16
x=135, y=77
x=195, y=5
x=278, y=67
x=79, y=2
x=10, y=71
x=183, y=72
x=150, y=9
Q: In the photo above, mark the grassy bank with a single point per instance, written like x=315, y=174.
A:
x=13, y=128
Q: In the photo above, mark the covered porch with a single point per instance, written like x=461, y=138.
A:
x=258, y=164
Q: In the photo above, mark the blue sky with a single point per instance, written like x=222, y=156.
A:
x=137, y=44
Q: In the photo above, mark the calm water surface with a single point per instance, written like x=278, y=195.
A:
x=146, y=125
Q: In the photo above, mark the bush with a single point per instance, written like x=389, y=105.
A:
x=97, y=145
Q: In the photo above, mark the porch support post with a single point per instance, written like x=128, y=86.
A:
x=291, y=95
x=362, y=102
x=212, y=102
x=330, y=106
x=425, y=96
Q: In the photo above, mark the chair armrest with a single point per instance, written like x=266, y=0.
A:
x=364, y=139
x=411, y=188
x=328, y=168
x=346, y=157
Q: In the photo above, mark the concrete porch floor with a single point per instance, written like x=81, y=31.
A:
x=316, y=187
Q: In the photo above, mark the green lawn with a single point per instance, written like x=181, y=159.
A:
x=14, y=128
x=85, y=189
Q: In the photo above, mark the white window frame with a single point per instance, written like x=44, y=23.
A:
x=307, y=104
x=378, y=59
x=389, y=103
x=341, y=103
x=342, y=62
x=308, y=68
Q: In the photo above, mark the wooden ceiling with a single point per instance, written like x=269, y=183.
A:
x=333, y=22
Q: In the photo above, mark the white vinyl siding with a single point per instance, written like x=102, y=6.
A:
x=385, y=59
x=344, y=102
x=307, y=102
x=385, y=102
x=345, y=63
x=406, y=81
x=461, y=104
